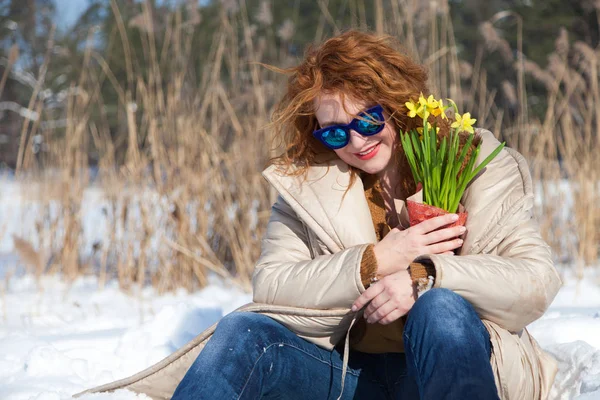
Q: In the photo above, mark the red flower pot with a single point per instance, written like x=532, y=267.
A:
x=419, y=212
x=413, y=211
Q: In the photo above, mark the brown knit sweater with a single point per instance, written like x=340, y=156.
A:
x=368, y=266
x=377, y=338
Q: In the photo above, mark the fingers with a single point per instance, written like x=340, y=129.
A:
x=391, y=317
x=434, y=223
x=444, y=234
x=443, y=247
x=367, y=296
x=377, y=314
x=377, y=302
x=394, y=292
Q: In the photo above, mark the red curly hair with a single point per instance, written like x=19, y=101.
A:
x=362, y=65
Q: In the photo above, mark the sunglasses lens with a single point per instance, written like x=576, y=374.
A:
x=370, y=126
x=335, y=138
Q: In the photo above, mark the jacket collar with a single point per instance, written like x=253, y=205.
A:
x=341, y=219
x=502, y=189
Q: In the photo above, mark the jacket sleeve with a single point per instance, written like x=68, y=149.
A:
x=512, y=288
x=288, y=274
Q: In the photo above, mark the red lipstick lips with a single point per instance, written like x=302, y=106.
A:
x=372, y=152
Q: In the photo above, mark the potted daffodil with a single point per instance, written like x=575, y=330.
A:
x=442, y=165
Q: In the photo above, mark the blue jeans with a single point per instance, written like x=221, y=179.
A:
x=251, y=356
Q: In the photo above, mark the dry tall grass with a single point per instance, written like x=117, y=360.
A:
x=189, y=198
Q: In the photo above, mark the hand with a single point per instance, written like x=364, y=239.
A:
x=399, y=248
x=390, y=298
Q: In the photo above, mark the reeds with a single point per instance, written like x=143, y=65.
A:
x=187, y=198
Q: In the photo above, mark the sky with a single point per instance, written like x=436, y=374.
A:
x=67, y=12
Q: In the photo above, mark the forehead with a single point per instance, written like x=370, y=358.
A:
x=328, y=107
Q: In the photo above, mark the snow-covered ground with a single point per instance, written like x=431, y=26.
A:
x=570, y=331
x=57, y=340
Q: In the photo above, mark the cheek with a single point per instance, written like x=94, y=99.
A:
x=388, y=138
x=389, y=135
x=345, y=156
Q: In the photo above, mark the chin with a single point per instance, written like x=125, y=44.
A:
x=369, y=169
x=373, y=166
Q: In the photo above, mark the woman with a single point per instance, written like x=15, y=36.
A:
x=335, y=241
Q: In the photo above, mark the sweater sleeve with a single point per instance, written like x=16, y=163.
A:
x=419, y=271
x=368, y=266
x=423, y=275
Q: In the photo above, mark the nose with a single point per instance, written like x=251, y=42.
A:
x=356, y=140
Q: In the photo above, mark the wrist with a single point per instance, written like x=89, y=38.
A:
x=380, y=257
x=384, y=267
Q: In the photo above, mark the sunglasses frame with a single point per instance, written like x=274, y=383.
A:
x=352, y=125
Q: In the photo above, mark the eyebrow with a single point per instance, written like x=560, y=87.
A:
x=331, y=123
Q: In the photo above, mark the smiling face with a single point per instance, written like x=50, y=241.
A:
x=371, y=154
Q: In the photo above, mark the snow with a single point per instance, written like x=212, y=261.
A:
x=57, y=340
x=570, y=331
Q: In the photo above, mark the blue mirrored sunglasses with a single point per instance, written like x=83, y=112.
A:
x=337, y=136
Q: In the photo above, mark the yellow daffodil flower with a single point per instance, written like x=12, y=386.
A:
x=420, y=130
x=430, y=103
x=464, y=122
x=413, y=110
x=431, y=106
x=440, y=110
x=429, y=127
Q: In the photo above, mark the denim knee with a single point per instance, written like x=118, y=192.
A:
x=444, y=316
x=229, y=357
x=252, y=324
